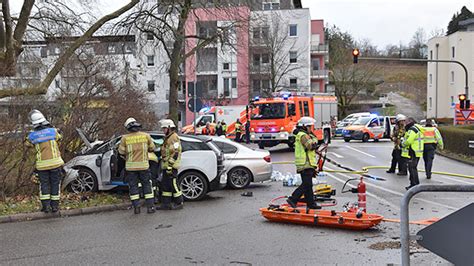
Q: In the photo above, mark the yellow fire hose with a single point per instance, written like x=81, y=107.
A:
x=366, y=169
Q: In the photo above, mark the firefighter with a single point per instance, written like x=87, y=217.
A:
x=306, y=145
x=412, y=149
x=247, y=132
x=224, y=128
x=136, y=146
x=171, y=197
x=432, y=139
x=45, y=139
x=219, y=131
x=397, y=135
x=154, y=171
x=238, y=130
x=208, y=130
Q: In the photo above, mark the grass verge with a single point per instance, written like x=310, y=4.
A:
x=27, y=204
x=460, y=157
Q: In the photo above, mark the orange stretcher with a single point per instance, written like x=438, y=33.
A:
x=328, y=218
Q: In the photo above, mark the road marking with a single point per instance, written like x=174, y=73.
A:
x=337, y=155
x=368, y=193
x=370, y=155
x=454, y=179
x=401, y=194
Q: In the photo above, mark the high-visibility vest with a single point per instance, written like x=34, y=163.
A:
x=45, y=141
x=171, y=152
x=432, y=135
x=413, y=140
x=304, y=158
x=224, y=129
x=238, y=127
x=136, y=146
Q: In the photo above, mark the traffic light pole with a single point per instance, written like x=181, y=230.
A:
x=194, y=92
x=424, y=60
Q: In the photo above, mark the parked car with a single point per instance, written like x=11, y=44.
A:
x=347, y=121
x=100, y=168
x=244, y=165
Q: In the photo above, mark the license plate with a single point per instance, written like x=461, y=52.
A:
x=267, y=136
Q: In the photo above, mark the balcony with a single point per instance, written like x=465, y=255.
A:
x=320, y=49
x=260, y=69
x=319, y=74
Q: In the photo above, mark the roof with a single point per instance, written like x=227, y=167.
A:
x=105, y=38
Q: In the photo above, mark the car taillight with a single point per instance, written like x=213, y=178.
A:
x=267, y=159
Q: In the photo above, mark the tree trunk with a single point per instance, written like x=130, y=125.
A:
x=173, y=99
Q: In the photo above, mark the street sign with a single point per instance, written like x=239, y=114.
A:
x=452, y=237
x=191, y=105
x=466, y=114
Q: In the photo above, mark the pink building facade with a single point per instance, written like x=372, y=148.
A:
x=319, y=56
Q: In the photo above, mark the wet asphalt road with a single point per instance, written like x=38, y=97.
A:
x=227, y=228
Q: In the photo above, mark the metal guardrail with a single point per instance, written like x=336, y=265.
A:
x=471, y=144
x=404, y=212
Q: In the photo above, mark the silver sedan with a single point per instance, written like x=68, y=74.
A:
x=244, y=165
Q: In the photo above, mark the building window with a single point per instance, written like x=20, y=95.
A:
x=315, y=64
x=225, y=66
x=265, y=59
x=293, y=57
x=452, y=76
x=315, y=86
x=453, y=52
x=293, y=83
x=431, y=103
x=293, y=30
x=44, y=52
x=431, y=79
x=431, y=54
x=227, y=90
x=265, y=31
x=256, y=85
x=266, y=84
x=150, y=36
x=271, y=4
x=151, y=85
x=256, y=59
x=150, y=60
x=256, y=33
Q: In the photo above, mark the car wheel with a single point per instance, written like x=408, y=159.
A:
x=365, y=137
x=376, y=140
x=86, y=181
x=261, y=146
x=239, y=177
x=193, y=185
x=347, y=140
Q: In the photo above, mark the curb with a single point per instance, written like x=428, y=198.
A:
x=454, y=158
x=20, y=217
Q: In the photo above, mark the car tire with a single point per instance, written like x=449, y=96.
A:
x=261, y=146
x=347, y=140
x=193, y=185
x=86, y=181
x=365, y=137
x=376, y=140
x=239, y=178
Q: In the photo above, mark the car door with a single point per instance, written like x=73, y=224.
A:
x=109, y=166
x=376, y=128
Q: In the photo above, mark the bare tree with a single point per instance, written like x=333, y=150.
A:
x=418, y=44
x=14, y=35
x=367, y=48
x=176, y=26
x=275, y=53
x=349, y=79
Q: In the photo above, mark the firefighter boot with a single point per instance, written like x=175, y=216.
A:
x=150, y=209
x=45, y=207
x=177, y=206
x=136, y=209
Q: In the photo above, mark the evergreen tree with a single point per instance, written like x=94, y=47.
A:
x=453, y=25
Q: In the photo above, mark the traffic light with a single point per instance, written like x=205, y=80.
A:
x=463, y=102
x=355, y=55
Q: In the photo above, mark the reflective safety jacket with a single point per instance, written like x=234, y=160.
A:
x=238, y=127
x=397, y=135
x=152, y=157
x=224, y=129
x=432, y=136
x=45, y=141
x=135, y=147
x=171, y=152
x=413, y=140
x=305, y=154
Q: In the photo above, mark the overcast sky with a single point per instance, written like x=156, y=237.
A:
x=382, y=21
x=386, y=21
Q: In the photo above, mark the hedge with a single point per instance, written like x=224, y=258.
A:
x=456, y=139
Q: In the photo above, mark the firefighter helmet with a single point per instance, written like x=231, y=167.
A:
x=306, y=121
x=37, y=118
x=400, y=117
x=131, y=122
x=165, y=123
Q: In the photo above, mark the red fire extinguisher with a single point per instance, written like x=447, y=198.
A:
x=361, y=196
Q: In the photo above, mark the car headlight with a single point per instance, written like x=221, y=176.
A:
x=282, y=135
x=345, y=131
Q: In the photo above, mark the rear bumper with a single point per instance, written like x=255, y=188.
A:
x=263, y=174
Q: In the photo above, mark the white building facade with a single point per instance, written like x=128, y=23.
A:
x=445, y=81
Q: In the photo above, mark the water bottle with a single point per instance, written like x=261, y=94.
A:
x=290, y=181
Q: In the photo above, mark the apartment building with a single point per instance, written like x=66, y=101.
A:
x=275, y=47
x=445, y=81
